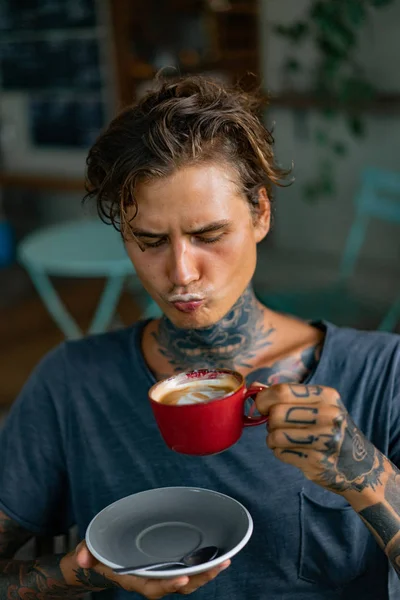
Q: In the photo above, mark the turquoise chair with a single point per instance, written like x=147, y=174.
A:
x=86, y=248
x=378, y=198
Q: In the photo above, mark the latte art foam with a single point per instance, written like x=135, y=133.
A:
x=198, y=391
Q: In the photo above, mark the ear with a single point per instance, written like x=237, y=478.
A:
x=262, y=221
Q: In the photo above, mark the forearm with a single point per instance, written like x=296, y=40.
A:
x=379, y=508
x=56, y=576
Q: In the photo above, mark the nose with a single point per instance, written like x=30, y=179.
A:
x=183, y=267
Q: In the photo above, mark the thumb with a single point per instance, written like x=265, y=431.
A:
x=256, y=406
x=84, y=558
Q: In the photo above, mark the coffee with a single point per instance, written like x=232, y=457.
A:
x=213, y=418
x=198, y=391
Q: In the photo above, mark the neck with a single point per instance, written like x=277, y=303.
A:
x=233, y=342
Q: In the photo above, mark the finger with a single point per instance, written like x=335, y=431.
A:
x=298, y=457
x=304, y=416
x=84, y=558
x=317, y=438
x=158, y=588
x=293, y=393
x=197, y=581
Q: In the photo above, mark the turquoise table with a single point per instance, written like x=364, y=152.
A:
x=87, y=248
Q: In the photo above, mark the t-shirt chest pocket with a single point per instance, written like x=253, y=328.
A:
x=334, y=541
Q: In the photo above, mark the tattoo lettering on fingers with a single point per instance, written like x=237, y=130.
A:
x=302, y=441
x=332, y=441
x=301, y=415
x=295, y=452
x=305, y=391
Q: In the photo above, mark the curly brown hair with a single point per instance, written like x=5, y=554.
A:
x=186, y=121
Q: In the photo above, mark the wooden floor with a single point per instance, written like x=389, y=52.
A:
x=27, y=332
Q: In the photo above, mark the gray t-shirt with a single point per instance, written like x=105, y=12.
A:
x=82, y=435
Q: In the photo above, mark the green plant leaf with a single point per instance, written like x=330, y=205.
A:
x=323, y=185
x=338, y=84
x=357, y=126
x=314, y=191
x=329, y=48
x=295, y=33
x=355, y=11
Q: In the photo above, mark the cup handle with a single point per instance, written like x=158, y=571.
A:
x=252, y=421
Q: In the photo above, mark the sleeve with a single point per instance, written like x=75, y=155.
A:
x=33, y=478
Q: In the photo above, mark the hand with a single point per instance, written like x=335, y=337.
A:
x=90, y=573
x=310, y=428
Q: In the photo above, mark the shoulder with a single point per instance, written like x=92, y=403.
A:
x=365, y=343
x=75, y=361
x=104, y=346
x=375, y=354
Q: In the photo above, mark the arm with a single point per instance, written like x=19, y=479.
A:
x=39, y=578
x=74, y=574
x=380, y=511
x=310, y=428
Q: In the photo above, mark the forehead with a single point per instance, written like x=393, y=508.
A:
x=201, y=191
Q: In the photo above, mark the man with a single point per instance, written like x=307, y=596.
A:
x=187, y=176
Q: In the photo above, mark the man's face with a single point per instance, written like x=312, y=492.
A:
x=200, y=243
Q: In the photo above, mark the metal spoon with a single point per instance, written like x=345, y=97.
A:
x=197, y=557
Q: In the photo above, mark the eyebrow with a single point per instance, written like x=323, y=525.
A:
x=211, y=227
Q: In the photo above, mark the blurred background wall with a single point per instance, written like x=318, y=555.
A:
x=309, y=237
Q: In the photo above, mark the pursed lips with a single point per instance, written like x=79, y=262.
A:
x=186, y=298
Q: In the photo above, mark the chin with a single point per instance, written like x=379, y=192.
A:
x=189, y=321
x=194, y=320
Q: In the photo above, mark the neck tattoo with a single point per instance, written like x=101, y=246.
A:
x=231, y=343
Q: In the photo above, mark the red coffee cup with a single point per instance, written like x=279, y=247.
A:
x=203, y=428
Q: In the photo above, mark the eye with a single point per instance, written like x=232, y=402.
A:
x=156, y=244
x=210, y=240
